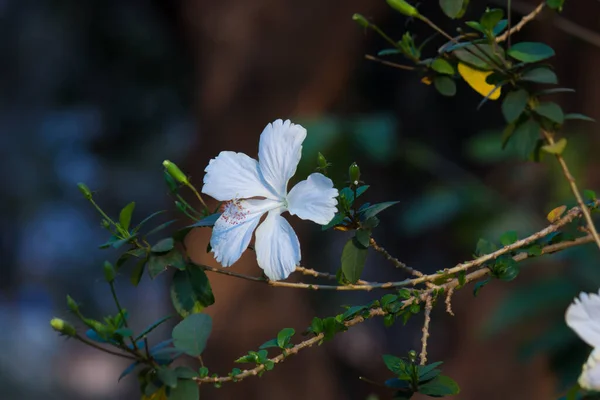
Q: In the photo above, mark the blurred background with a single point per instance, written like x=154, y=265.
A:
x=102, y=91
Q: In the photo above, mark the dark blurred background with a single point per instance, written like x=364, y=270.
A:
x=101, y=91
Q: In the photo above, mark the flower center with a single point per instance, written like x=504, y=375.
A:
x=234, y=213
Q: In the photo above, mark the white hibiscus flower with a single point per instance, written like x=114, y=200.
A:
x=583, y=316
x=252, y=188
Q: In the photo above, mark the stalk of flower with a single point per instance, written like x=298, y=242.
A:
x=254, y=188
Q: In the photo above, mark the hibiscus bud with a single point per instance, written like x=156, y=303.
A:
x=175, y=172
x=412, y=356
x=170, y=182
x=73, y=306
x=109, y=272
x=321, y=161
x=63, y=327
x=362, y=21
x=354, y=173
x=403, y=7
x=87, y=193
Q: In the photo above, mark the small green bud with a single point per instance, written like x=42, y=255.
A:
x=105, y=224
x=175, y=172
x=354, y=174
x=362, y=21
x=170, y=182
x=73, y=306
x=180, y=206
x=63, y=327
x=109, y=272
x=87, y=193
x=403, y=7
x=412, y=356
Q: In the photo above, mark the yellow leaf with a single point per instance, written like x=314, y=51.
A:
x=555, y=214
x=476, y=79
x=556, y=148
x=160, y=394
x=426, y=80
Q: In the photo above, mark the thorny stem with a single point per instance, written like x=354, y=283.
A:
x=575, y=190
x=425, y=330
x=506, y=35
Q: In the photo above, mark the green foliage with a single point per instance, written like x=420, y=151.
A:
x=185, y=390
x=453, y=8
x=540, y=75
x=354, y=256
x=191, y=334
x=530, y=52
x=191, y=291
x=514, y=104
x=445, y=85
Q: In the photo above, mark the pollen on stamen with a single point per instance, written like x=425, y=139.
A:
x=233, y=212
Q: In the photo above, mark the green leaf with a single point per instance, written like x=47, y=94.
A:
x=508, y=238
x=475, y=25
x=331, y=326
x=525, y=138
x=387, y=52
x=514, y=104
x=553, y=91
x=452, y=8
x=337, y=219
x=550, y=110
x=478, y=56
x=186, y=390
x=484, y=247
x=375, y=209
x=395, y=364
x=363, y=237
x=191, y=291
x=589, y=194
x=167, y=376
x=207, y=221
x=354, y=256
x=442, y=66
x=158, y=263
x=148, y=218
x=579, y=116
x=284, y=336
x=138, y=271
x=445, y=85
x=125, y=215
x=530, y=52
x=439, y=387
x=348, y=193
x=500, y=27
x=556, y=148
x=163, y=246
x=555, y=4
x=161, y=227
x=185, y=372
x=152, y=327
x=540, y=75
x=191, y=334
x=128, y=370
x=269, y=344
x=479, y=285
x=491, y=18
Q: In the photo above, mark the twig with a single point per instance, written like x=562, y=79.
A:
x=449, y=301
x=574, y=189
x=521, y=23
x=425, y=330
x=317, y=274
x=397, y=263
x=389, y=63
x=94, y=345
x=280, y=358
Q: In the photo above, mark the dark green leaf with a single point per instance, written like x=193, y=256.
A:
x=442, y=66
x=118, y=243
x=525, y=138
x=269, y=344
x=185, y=373
x=191, y=291
x=128, y=370
x=354, y=256
x=125, y=215
x=337, y=219
x=160, y=227
x=514, y=104
x=555, y=4
x=352, y=312
x=387, y=52
x=158, y=263
x=550, y=110
x=475, y=25
x=540, y=75
x=152, y=327
x=530, y=52
x=331, y=326
x=445, y=85
x=554, y=91
x=500, y=27
x=375, y=209
x=396, y=383
x=207, y=221
x=439, y=387
x=479, y=57
x=395, y=364
x=163, y=246
x=452, y=8
x=363, y=237
x=479, y=285
x=589, y=194
x=191, y=334
x=425, y=370
x=491, y=18
x=138, y=271
x=579, y=116
x=186, y=390
x=284, y=337
x=167, y=376
x=484, y=247
x=148, y=218
x=348, y=194
x=508, y=238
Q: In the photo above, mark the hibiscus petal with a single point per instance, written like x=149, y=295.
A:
x=233, y=230
x=590, y=376
x=279, y=152
x=583, y=316
x=277, y=247
x=313, y=199
x=235, y=176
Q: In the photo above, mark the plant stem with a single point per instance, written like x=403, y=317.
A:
x=94, y=345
